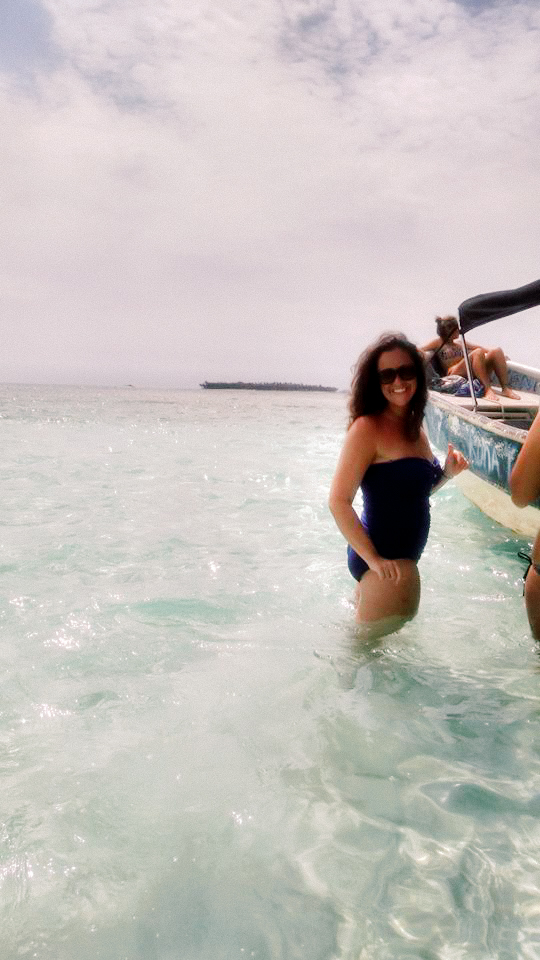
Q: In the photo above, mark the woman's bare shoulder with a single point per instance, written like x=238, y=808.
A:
x=364, y=428
x=358, y=451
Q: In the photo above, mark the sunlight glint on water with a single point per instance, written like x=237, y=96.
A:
x=198, y=762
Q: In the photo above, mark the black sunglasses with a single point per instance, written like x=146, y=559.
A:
x=406, y=372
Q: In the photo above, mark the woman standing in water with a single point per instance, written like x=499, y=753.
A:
x=387, y=454
x=525, y=487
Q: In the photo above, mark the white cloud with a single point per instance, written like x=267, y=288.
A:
x=255, y=190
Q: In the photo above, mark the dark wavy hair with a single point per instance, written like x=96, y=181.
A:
x=366, y=396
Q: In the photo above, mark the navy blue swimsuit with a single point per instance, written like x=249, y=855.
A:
x=396, y=509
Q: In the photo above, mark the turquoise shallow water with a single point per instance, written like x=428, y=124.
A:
x=197, y=759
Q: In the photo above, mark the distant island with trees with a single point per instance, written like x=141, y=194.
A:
x=240, y=385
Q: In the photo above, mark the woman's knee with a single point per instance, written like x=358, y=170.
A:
x=478, y=354
x=477, y=359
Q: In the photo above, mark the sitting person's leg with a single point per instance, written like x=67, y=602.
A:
x=477, y=358
x=496, y=362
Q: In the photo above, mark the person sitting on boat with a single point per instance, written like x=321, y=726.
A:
x=386, y=453
x=525, y=488
x=448, y=350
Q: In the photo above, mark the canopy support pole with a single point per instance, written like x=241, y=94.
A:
x=469, y=369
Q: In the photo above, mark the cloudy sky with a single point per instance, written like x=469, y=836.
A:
x=255, y=189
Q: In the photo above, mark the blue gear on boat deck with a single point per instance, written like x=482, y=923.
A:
x=396, y=509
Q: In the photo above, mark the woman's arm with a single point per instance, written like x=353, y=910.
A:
x=525, y=476
x=454, y=464
x=358, y=452
x=432, y=345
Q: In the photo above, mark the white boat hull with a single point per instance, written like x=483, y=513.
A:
x=490, y=437
x=497, y=504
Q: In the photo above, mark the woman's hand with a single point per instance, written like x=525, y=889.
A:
x=385, y=569
x=455, y=462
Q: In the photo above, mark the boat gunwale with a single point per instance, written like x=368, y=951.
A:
x=478, y=418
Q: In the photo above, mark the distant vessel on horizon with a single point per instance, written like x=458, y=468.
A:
x=240, y=385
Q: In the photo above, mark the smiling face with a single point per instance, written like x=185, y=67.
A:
x=402, y=388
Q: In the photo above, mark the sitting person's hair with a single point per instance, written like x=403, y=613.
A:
x=446, y=326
